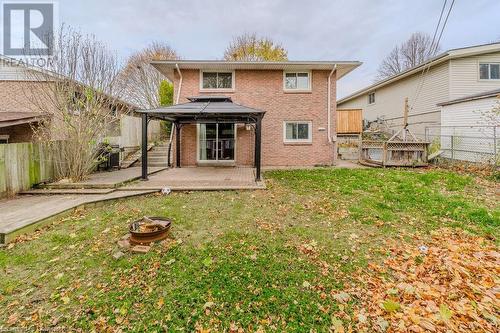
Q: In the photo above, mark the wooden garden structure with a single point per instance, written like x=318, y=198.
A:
x=402, y=149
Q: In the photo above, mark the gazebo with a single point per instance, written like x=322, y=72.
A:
x=203, y=110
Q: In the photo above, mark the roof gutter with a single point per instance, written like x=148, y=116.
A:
x=329, y=107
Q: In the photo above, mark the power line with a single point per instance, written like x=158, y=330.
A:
x=434, y=48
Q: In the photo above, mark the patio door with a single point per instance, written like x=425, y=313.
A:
x=216, y=142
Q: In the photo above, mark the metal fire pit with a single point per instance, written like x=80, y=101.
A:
x=149, y=229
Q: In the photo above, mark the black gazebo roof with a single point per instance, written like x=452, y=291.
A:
x=206, y=109
x=202, y=109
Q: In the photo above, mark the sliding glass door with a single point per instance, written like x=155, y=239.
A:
x=216, y=142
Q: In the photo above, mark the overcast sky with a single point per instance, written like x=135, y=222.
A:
x=309, y=29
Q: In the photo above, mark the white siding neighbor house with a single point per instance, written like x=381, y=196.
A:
x=453, y=74
x=470, y=128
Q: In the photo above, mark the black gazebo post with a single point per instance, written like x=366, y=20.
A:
x=177, y=144
x=258, y=143
x=144, y=154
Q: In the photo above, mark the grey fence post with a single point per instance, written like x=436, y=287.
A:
x=426, y=134
x=495, y=156
x=452, y=147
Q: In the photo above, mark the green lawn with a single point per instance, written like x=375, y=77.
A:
x=264, y=259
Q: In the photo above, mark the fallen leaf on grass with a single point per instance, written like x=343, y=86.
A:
x=160, y=303
x=445, y=312
x=207, y=262
x=390, y=306
x=337, y=325
x=12, y=319
x=342, y=297
x=208, y=305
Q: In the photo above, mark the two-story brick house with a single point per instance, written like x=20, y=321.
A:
x=298, y=99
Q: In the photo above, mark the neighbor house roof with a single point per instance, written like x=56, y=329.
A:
x=17, y=118
x=445, y=56
x=204, y=108
x=46, y=73
x=486, y=94
x=167, y=67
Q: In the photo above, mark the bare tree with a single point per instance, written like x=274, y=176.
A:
x=78, y=92
x=414, y=51
x=141, y=82
x=250, y=47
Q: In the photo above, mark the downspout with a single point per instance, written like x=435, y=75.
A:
x=180, y=84
x=329, y=107
x=176, y=102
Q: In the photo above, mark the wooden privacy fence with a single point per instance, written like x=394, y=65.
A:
x=23, y=165
x=349, y=121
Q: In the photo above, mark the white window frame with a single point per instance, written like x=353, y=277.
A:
x=374, y=98
x=309, y=124
x=233, y=81
x=309, y=75
x=489, y=70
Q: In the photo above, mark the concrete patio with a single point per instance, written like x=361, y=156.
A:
x=199, y=179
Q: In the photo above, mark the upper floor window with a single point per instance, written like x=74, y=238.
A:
x=371, y=98
x=297, y=81
x=217, y=80
x=489, y=71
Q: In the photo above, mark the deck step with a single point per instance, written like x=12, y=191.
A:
x=50, y=191
x=157, y=156
x=132, y=158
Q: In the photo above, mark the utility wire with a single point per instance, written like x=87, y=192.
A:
x=434, y=48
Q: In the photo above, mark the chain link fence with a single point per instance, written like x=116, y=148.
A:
x=478, y=144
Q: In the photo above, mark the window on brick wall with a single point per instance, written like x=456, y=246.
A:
x=297, y=131
x=297, y=81
x=217, y=80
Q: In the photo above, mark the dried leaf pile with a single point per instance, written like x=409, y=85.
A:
x=449, y=283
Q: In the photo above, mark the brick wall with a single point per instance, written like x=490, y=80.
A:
x=264, y=90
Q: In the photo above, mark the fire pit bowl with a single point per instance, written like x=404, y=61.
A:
x=148, y=230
